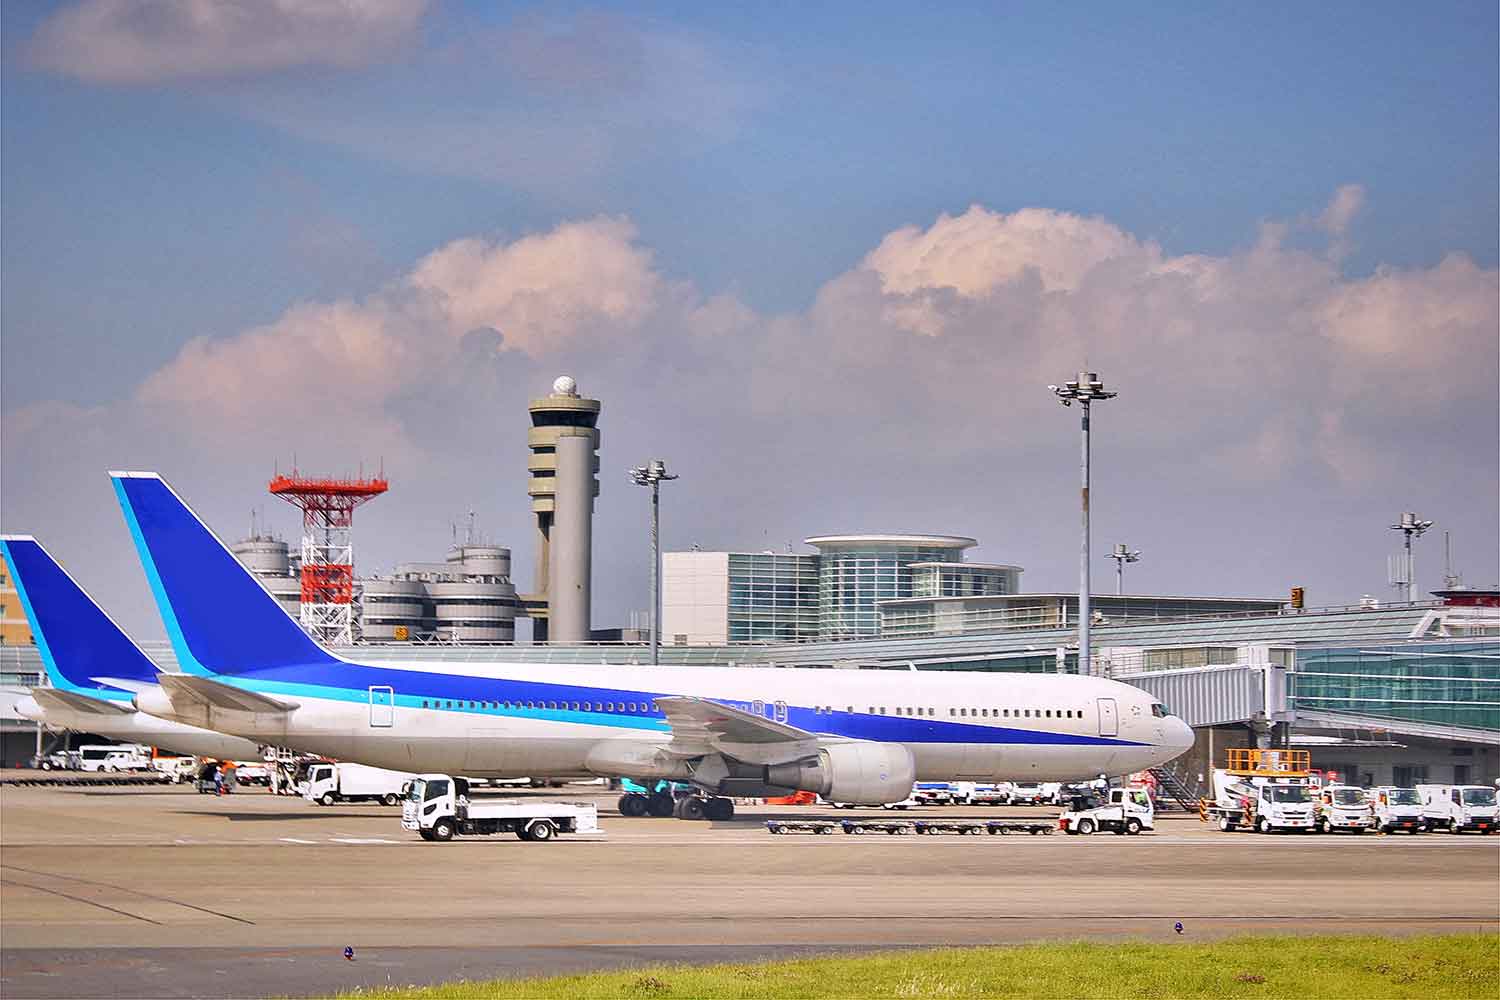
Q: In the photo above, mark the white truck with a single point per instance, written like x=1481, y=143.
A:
x=1121, y=811
x=1263, y=804
x=1343, y=807
x=328, y=783
x=1397, y=809
x=111, y=757
x=933, y=793
x=437, y=807
x=1457, y=808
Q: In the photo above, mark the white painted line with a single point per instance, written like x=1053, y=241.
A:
x=294, y=840
x=362, y=840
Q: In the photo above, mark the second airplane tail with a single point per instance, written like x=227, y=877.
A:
x=220, y=618
x=82, y=648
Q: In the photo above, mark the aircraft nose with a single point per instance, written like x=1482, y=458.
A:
x=1179, y=735
x=27, y=708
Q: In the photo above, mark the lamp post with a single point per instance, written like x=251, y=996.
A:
x=1084, y=390
x=1122, y=555
x=653, y=474
x=1409, y=524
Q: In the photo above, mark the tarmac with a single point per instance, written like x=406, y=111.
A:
x=163, y=892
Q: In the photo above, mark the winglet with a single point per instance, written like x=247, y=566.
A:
x=220, y=617
x=84, y=651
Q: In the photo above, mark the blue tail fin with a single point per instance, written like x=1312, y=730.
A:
x=79, y=643
x=219, y=617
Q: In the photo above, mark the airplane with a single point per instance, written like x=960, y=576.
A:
x=861, y=736
x=95, y=668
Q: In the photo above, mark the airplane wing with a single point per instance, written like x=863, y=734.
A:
x=73, y=702
x=700, y=727
x=220, y=695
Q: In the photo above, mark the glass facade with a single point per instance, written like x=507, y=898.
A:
x=1441, y=683
x=962, y=580
x=853, y=577
x=773, y=597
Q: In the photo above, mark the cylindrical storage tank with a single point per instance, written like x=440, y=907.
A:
x=569, y=613
x=469, y=611
x=481, y=560
x=390, y=603
x=263, y=556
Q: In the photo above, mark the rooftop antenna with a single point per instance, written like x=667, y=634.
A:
x=1451, y=580
x=1403, y=569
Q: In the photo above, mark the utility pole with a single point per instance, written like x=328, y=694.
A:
x=653, y=474
x=1122, y=555
x=1409, y=524
x=1085, y=390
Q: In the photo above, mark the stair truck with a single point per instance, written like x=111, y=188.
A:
x=1397, y=809
x=437, y=806
x=1343, y=807
x=328, y=783
x=1457, y=808
x=1121, y=811
x=1261, y=790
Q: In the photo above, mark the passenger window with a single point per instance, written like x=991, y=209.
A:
x=424, y=702
x=851, y=709
x=632, y=706
x=1049, y=713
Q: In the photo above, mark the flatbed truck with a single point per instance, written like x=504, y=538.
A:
x=437, y=807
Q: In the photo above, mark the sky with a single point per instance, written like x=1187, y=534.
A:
x=823, y=260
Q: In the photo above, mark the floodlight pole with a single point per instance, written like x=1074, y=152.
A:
x=1084, y=390
x=652, y=474
x=1409, y=524
x=1121, y=555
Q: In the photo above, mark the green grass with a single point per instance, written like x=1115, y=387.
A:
x=1306, y=968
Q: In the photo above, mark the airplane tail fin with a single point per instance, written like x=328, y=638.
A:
x=220, y=618
x=84, y=651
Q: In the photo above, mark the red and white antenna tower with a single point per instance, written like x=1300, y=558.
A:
x=330, y=603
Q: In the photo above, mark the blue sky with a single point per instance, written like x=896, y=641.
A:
x=160, y=187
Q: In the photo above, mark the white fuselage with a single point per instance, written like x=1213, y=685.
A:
x=137, y=727
x=511, y=720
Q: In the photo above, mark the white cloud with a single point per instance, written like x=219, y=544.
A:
x=153, y=41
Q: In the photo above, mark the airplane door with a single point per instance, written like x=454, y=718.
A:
x=382, y=706
x=1109, y=721
x=780, y=707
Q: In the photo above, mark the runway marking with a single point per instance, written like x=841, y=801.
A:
x=121, y=888
x=79, y=899
x=297, y=840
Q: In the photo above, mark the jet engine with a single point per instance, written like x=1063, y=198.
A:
x=860, y=773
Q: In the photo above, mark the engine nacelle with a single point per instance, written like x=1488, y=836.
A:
x=859, y=773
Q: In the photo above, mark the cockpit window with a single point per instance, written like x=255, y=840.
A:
x=1159, y=710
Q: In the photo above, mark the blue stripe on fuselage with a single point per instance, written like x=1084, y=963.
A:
x=350, y=682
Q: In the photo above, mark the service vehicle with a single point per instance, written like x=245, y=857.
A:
x=328, y=783
x=63, y=760
x=110, y=757
x=1343, y=807
x=1052, y=792
x=179, y=769
x=1261, y=790
x=1397, y=809
x=1027, y=793
x=437, y=806
x=933, y=793
x=985, y=794
x=1457, y=808
x=1120, y=811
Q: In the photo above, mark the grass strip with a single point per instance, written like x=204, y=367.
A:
x=1335, y=967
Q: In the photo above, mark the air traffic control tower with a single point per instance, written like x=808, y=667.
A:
x=564, y=467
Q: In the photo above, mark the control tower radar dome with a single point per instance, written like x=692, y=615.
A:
x=565, y=385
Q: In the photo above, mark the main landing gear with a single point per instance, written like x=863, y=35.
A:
x=661, y=804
